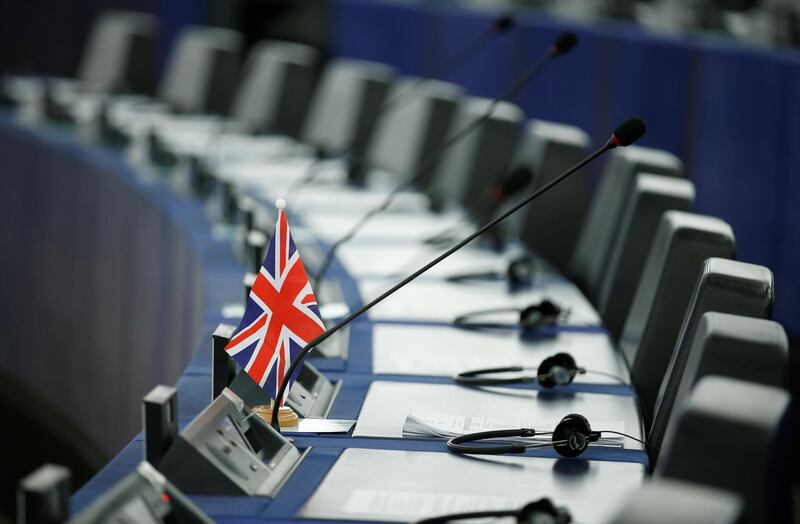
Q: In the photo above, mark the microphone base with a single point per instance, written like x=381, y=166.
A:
x=287, y=418
x=356, y=173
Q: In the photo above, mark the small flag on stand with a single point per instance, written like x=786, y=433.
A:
x=281, y=316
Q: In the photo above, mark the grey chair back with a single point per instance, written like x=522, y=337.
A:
x=120, y=54
x=346, y=105
x=681, y=245
x=551, y=227
x=665, y=501
x=745, y=348
x=590, y=257
x=416, y=125
x=276, y=85
x=651, y=196
x=202, y=71
x=471, y=167
x=724, y=286
x=735, y=435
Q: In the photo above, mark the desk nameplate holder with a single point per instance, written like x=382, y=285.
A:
x=228, y=450
x=144, y=495
x=312, y=394
x=43, y=496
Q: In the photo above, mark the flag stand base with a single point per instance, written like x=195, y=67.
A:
x=287, y=418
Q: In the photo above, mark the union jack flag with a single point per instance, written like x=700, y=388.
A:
x=281, y=316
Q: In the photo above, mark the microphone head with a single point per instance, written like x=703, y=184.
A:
x=628, y=132
x=517, y=180
x=503, y=23
x=564, y=42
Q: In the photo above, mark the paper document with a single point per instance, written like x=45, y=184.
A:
x=422, y=504
x=321, y=425
x=423, y=422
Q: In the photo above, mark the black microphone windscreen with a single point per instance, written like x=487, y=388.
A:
x=503, y=23
x=565, y=42
x=629, y=131
x=517, y=180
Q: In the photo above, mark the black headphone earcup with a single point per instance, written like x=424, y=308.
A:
x=545, y=371
x=550, y=311
x=535, y=512
x=572, y=435
x=546, y=379
x=530, y=318
x=520, y=272
x=545, y=313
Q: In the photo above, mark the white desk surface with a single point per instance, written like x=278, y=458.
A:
x=389, y=403
x=384, y=261
x=386, y=228
x=328, y=193
x=447, y=351
x=441, y=301
x=402, y=486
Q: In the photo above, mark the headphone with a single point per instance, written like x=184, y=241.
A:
x=518, y=274
x=557, y=370
x=531, y=318
x=543, y=511
x=570, y=438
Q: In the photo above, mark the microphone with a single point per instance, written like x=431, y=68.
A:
x=627, y=133
x=517, y=180
x=561, y=45
x=500, y=25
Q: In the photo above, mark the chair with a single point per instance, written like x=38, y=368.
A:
x=551, y=227
x=734, y=435
x=346, y=106
x=588, y=264
x=681, y=245
x=202, y=71
x=665, y=501
x=276, y=84
x=651, y=196
x=468, y=168
x=415, y=126
x=745, y=348
x=120, y=54
x=724, y=286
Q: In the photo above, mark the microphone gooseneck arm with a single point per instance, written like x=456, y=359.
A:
x=423, y=167
x=612, y=143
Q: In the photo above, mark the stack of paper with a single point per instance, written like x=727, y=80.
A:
x=423, y=422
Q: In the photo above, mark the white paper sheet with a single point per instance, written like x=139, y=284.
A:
x=402, y=486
